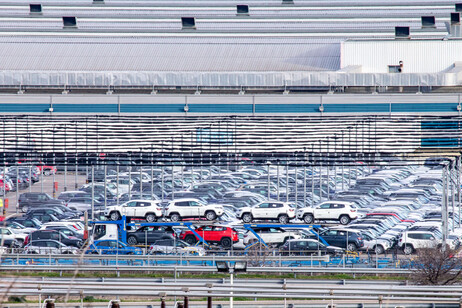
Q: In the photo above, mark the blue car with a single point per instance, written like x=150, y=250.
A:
x=112, y=247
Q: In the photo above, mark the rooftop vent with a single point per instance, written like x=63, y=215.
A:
x=35, y=8
x=188, y=22
x=455, y=18
x=428, y=21
x=458, y=7
x=287, y=1
x=69, y=22
x=402, y=32
x=242, y=9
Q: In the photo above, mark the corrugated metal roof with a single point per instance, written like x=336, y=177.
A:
x=182, y=55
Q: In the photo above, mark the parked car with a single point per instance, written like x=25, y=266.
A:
x=30, y=200
x=224, y=236
x=151, y=210
x=51, y=247
x=268, y=210
x=192, y=208
x=351, y=241
x=148, y=235
x=341, y=211
x=175, y=246
x=54, y=235
x=271, y=236
x=308, y=247
x=112, y=247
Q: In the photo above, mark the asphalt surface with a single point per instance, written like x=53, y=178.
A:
x=46, y=186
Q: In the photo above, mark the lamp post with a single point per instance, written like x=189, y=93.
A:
x=223, y=267
x=268, y=164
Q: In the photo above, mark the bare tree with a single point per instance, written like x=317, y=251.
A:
x=436, y=267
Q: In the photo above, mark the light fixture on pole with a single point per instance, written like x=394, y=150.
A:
x=239, y=267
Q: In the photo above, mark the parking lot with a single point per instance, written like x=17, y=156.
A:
x=286, y=210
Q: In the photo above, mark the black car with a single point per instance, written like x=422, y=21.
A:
x=27, y=222
x=66, y=231
x=343, y=239
x=53, y=211
x=30, y=200
x=42, y=217
x=308, y=247
x=148, y=235
x=56, y=235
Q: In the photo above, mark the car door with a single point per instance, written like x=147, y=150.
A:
x=261, y=211
x=196, y=209
x=141, y=208
x=330, y=236
x=322, y=211
x=129, y=209
x=335, y=210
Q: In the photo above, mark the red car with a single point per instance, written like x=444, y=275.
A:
x=212, y=234
x=45, y=169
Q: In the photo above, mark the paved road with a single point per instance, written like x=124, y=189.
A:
x=47, y=186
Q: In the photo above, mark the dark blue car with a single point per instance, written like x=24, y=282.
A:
x=112, y=247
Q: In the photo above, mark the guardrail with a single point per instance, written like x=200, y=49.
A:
x=248, y=288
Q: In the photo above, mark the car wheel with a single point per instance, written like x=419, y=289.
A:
x=308, y=218
x=345, y=220
x=379, y=249
x=175, y=217
x=151, y=218
x=408, y=249
x=283, y=219
x=190, y=239
x=25, y=209
x=210, y=215
x=247, y=217
x=351, y=247
x=131, y=240
x=226, y=242
x=115, y=216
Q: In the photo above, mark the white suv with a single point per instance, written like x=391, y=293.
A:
x=412, y=240
x=268, y=210
x=192, y=208
x=342, y=211
x=271, y=236
x=151, y=210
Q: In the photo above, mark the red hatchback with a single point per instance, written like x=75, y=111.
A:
x=213, y=234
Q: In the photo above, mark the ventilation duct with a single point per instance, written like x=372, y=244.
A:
x=242, y=9
x=428, y=22
x=188, y=22
x=35, y=8
x=69, y=22
x=402, y=32
x=455, y=19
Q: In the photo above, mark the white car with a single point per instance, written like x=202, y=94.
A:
x=12, y=234
x=431, y=238
x=342, y=211
x=271, y=236
x=49, y=247
x=175, y=246
x=268, y=210
x=192, y=208
x=151, y=210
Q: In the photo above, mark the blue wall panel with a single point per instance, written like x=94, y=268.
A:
x=362, y=108
x=286, y=108
x=422, y=107
x=91, y=108
x=152, y=108
x=26, y=108
x=220, y=108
